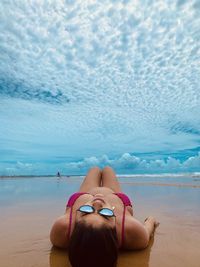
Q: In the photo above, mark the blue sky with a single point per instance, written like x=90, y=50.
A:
x=86, y=83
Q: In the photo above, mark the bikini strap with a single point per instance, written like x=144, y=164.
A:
x=70, y=223
x=126, y=202
x=123, y=227
x=124, y=198
x=70, y=205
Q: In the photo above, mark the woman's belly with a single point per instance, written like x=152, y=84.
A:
x=101, y=190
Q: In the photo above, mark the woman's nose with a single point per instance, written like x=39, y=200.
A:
x=97, y=204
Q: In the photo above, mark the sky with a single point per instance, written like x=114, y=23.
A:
x=97, y=83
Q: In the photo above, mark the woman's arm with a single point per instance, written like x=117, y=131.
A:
x=59, y=232
x=137, y=235
x=150, y=224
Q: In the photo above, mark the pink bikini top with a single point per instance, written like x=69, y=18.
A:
x=124, y=198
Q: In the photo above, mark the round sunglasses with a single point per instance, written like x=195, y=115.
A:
x=106, y=212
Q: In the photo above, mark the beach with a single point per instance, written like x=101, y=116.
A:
x=29, y=206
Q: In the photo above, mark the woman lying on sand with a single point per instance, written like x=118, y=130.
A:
x=98, y=221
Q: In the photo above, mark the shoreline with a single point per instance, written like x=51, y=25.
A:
x=164, y=174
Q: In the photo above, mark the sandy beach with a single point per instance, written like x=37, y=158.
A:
x=30, y=205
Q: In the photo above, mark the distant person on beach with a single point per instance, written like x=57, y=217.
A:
x=58, y=174
x=99, y=221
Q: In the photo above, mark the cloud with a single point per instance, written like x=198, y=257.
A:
x=81, y=78
x=132, y=164
x=125, y=164
x=20, y=89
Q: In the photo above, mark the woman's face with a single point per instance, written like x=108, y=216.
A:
x=97, y=202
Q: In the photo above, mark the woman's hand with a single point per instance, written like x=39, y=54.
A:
x=150, y=224
x=152, y=220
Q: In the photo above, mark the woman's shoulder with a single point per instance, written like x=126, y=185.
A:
x=59, y=231
x=135, y=234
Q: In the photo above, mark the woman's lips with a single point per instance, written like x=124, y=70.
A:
x=99, y=199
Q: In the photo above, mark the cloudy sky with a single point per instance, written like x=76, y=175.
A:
x=86, y=83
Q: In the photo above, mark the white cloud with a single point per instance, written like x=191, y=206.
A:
x=126, y=164
x=132, y=164
x=81, y=78
x=192, y=162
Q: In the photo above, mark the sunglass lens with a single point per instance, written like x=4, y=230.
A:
x=86, y=208
x=106, y=212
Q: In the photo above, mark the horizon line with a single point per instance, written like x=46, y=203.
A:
x=119, y=175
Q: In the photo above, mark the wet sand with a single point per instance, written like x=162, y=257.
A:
x=28, y=207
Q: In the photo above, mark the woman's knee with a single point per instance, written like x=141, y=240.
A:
x=95, y=168
x=108, y=169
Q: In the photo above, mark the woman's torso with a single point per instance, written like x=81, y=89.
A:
x=112, y=199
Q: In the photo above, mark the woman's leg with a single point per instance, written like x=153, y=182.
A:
x=92, y=179
x=109, y=179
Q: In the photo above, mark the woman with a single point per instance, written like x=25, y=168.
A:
x=98, y=221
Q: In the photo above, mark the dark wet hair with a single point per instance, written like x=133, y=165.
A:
x=91, y=246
